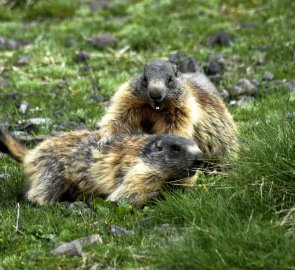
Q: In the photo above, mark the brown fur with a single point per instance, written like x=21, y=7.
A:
x=74, y=163
x=10, y=145
x=194, y=113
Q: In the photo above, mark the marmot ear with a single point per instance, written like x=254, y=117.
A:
x=135, y=83
x=144, y=68
x=156, y=146
x=144, y=81
x=174, y=67
x=159, y=145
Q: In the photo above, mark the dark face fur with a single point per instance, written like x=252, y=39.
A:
x=175, y=156
x=159, y=83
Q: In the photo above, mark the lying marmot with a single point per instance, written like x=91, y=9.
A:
x=134, y=167
x=161, y=101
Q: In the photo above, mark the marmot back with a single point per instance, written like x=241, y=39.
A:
x=161, y=101
x=134, y=167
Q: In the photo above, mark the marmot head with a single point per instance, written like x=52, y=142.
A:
x=159, y=83
x=173, y=156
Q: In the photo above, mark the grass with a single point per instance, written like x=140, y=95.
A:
x=240, y=219
x=223, y=233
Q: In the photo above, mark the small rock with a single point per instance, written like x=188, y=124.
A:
x=290, y=116
x=255, y=83
x=259, y=60
x=224, y=95
x=260, y=48
x=17, y=134
x=178, y=57
x=69, y=125
x=81, y=57
x=6, y=43
x=249, y=71
x=248, y=24
x=11, y=44
x=54, y=133
x=95, y=238
x=122, y=19
x=279, y=82
x=23, y=108
x=4, y=125
x=4, y=176
x=85, y=68
x=267, y=76
x=165, y=227
x=145, y=222
x=70, y=42
x=233, y=103
x=245, y=102
x=22, y=61
x=243, y=87
x=12, y=96
x=220, y=38
x=116, y=230
x=101, y=4
x=190, y=65
x=98, y=98
x=98, y=266
x=220, y=59
x=29, y=127
x=4, y=83
x=103, y=41
x=212, y=69
x=39, y=121
x=86, y=211
x=74, y=248
x=62, y=84
x=291, y=86
x=78, y=205
x=172, y=240
x=23, y=42
x=185, y=63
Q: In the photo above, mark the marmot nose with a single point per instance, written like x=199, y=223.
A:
x=199, y=155
x=195, y=156
x=155, y=96
x=198, y=159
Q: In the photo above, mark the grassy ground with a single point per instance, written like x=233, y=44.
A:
x=243, y=218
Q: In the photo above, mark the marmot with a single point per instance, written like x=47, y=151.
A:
x=133, y=167
x=162, y=101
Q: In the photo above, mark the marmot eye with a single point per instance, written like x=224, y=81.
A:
x=170, y=81
x=175, y=147
x=159, y=148
x=144, y=81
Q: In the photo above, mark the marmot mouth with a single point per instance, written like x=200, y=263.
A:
x=158, y=106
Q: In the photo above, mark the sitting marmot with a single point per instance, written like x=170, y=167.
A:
x=162, y=101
